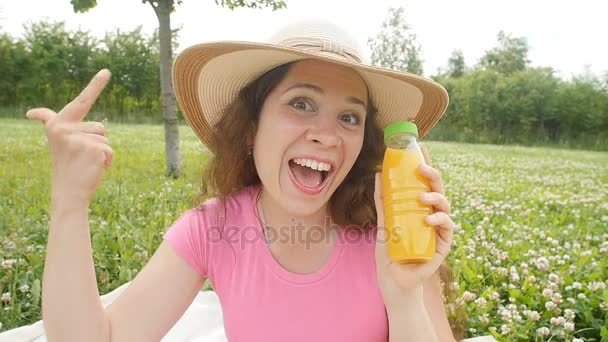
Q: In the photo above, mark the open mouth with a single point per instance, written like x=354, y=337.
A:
x=310, y=176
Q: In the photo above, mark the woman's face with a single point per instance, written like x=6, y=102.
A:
x=316, y=117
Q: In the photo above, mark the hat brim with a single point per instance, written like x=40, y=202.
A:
x=208, y=77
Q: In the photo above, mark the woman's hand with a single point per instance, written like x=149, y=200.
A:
x=401, y=282
x=79, y=150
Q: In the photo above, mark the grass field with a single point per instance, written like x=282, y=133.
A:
x=530, y=255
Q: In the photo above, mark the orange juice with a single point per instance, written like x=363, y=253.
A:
x=409, y=238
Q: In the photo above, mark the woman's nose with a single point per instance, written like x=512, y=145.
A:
x=324, y=131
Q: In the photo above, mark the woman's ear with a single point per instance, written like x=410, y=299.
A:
x=251, y=133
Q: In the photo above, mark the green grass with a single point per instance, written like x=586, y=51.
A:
x=529, y=220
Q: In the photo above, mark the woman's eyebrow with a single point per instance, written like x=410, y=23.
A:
x=307, y=86
x=358, y=101
x=315, y=88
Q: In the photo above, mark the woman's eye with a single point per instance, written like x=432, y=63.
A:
x=350, y=118
x=301, y=104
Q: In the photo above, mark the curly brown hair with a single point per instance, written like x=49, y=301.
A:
x=231, y=168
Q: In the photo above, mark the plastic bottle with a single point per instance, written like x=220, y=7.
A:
x=410, y=238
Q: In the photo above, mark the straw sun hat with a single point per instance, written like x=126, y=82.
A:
x=208, y=77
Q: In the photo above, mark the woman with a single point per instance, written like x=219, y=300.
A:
x=292, y=239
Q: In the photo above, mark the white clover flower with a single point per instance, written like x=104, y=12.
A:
x=505, y=314
x=581, y=296
x=481, y=302
x=556, y=298
x=569, y=326
x=542, y=264
x=554, y=278
x=532, y=279
x=493, y=295
x=532, y=315
x=504, y=329
x=24, y=288
x=6, y=297
x=484, y=319
x=557, y=321
x=547, y=293
x=604, y=247
x=544, y=331
x=550, y=305
x=569, y=314
x=468, y=296
x=8, y=263
x=596, y=285
x=577, y=340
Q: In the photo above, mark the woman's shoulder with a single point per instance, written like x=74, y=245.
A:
x=214, y=212
x=236, y=201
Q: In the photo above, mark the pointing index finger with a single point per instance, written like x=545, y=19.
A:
x=78, y=108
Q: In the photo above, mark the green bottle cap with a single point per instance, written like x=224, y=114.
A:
x=400, y=127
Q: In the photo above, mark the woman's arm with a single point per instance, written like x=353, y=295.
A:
x=410, y=321
x=433, y=302
x=71, y=308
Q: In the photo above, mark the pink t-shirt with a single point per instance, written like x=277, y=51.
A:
x=261, y=300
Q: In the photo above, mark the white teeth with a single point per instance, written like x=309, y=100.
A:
x=313, y=164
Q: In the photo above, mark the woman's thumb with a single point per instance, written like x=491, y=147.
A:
x=41, y=114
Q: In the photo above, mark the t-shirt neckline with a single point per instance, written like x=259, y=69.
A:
x=276, y=268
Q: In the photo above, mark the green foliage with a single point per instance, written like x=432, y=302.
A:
x=83, y=5
x=13, y=56
x=528, y=106
x=395, y=47
x=503, y=100
x=51, y=65
x=511, y=54
x=133, y=59
x=233, y=4
x=456, y=64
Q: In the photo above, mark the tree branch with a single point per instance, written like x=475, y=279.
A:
x=154, y=7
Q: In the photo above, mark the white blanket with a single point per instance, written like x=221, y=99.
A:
x=202, y=321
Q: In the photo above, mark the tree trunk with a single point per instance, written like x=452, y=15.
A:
x=163, y=10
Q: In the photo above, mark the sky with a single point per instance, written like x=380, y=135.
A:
x=570, y=36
